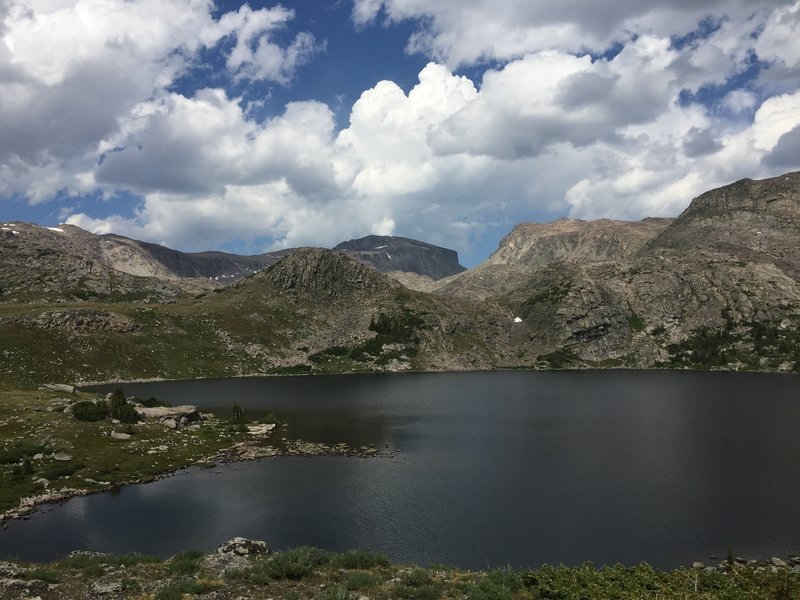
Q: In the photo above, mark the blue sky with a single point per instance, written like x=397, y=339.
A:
x=251, y=127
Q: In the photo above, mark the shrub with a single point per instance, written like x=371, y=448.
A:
x=19, y=451
x=497, y=585
x=57, y=470
x=356, y=559
x=636, y=323
x=417, y=583
x=338, y=593
x=176, y=591
x=120, y=409
x=296, y=563
x=185, y=563
x=90, y=411
x=153, y=402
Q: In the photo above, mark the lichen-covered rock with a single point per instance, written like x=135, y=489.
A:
x=241, y=546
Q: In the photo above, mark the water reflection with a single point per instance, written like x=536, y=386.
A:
x=489, y=469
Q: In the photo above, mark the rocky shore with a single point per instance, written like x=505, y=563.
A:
x=166, y=440
x=243, y=568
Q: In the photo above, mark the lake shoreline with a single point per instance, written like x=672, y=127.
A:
x=243, y=567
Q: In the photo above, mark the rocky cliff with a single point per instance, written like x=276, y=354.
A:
x=388, y=253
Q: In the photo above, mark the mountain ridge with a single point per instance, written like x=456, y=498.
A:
x=686, y=293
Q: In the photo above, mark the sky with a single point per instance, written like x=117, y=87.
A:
x=254, y=127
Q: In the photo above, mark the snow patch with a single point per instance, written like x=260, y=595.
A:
x=388, y=255
x=380, y=247
x=517, y=320
x=59, y=230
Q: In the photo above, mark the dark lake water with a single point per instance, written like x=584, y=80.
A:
x=486, y=469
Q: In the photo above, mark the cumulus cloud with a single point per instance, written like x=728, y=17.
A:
x=460, y=32
x=554, y=127
x=71, y=71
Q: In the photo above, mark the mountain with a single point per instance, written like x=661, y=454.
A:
x=389, y=253
x=716, y=288
x=531, y=247
x=68, y=262
x=754, y=221
x=706, y=289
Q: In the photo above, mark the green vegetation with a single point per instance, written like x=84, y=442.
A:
x=88, y=410
x=311, y=573
x=185, y=563
x=33, y=434
x=560, y=359
x=399, y=329
x=118, y=408
x=752, y=346
x=636, y=323
x=153, y=402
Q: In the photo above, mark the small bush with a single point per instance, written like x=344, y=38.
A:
x=336, y=351
x=19, y=451
x=337, y=593
x=497, y=585
x=57, y=470
x=176, y=591
x=356, y=559
x=153, y=402
x=296, y=563
x=90, y=411
x=185, y=563
x=417, y=583
x=120, y=409
x=636, y=323
x=42, y=574
x=361, y=580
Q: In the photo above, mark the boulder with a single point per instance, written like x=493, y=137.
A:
x=104, y=588
x=169, y=412
x=120, y=436
x=62, y=457
x=170, y=423
x=233, y=555
x=11, y=570
x=778, y=562
x=241, y=546
x=260, y=429
x=58, y=387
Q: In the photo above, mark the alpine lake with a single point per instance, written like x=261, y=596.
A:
x=476, y=470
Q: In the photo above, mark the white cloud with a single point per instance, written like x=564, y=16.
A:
x=547, y=131
x=460, y=32
x=72, y=71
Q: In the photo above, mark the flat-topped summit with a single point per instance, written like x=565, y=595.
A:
x=390, y=253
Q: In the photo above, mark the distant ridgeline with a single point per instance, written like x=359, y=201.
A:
x=716, y=288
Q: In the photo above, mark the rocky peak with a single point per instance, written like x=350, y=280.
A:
x=325, y=274
x=755, y=221
x=536, y=245
x=389, y=253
